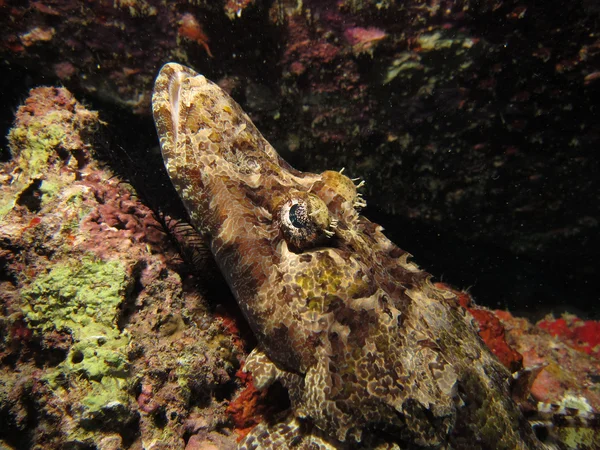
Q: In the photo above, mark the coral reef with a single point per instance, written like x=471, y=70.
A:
x=566, y=347
x=569, y=371
x=583, y=335
x=104, y=345
x=562, y=354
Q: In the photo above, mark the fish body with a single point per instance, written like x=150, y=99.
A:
x=372, y=354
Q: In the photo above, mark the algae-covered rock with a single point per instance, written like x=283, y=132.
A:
x=100, y=348
x=83, y=298
x=35, y=144
x=52, y=131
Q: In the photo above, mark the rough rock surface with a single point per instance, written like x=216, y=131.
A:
x=106, y=342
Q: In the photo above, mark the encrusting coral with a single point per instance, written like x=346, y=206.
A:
x=103, y=343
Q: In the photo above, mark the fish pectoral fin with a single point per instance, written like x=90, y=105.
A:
x=264, y=371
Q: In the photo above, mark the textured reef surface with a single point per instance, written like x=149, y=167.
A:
x=105, y=343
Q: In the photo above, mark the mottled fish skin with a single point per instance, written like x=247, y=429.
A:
x=372, y=354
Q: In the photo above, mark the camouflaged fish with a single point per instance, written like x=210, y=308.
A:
x=371, y=353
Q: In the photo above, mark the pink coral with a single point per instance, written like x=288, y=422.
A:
x=364, y=40
x=582, y=335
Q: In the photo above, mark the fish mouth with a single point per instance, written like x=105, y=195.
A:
x=166, y=99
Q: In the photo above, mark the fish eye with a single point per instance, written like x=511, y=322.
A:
x=304, y=221
x=297, y=215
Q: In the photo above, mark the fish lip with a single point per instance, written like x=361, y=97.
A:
x=171, y=78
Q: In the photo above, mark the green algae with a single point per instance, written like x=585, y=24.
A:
x=83, y=299
x=106, y=408
x=577, y=437
x=77, y=295
x=436, y=41
x=33, y=146
x=404, y=63
x=51, y=131
x=73, y=200
x=49, y=190
x=110, y=394
x=6, y=206
x=433, y=50
x=37, y=142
